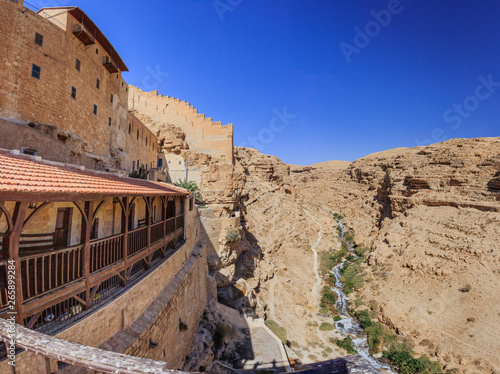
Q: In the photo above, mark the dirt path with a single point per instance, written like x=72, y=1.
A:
x=313, y=248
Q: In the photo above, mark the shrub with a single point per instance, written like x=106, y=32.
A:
x=338, y=217
x=278, y=330
x=232, y=235
x=323, y=311
x=363, y=318
x=361, y=250
x=374, y=334
x=191, y=186
x=328, y=299
x=325, y=326
x=337, y=318
x=346, y=344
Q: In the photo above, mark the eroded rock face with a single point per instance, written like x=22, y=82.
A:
x=432, y=217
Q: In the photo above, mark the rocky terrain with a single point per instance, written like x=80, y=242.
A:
x=431, y=216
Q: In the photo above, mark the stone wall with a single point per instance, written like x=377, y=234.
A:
x=48, y=100
x=202, y=134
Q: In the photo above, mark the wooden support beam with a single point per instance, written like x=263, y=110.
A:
x=125, y=218
x=11, y=240
x=44, y=364
x=86, y=231
x=148, y=221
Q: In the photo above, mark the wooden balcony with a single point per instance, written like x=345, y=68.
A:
x=83, y=34
x=110, y=65
x=61, y=286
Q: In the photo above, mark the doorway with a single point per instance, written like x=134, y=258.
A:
x=63, y=228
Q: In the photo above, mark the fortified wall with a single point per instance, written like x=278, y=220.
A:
x=204, y=145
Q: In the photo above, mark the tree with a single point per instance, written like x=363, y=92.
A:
x=191, y=186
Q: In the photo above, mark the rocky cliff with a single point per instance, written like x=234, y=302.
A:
x=431, y=216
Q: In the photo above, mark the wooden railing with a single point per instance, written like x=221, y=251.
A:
x=170, y=225
x=105, y=252
x=137, y=240
x=157, y=232
x=44, y=272
x=59, y=287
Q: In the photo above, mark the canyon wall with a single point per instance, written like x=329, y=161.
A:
x=431, y=216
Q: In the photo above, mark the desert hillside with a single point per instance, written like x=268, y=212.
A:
x=431, y=216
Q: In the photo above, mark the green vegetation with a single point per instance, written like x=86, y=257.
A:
x=337, y=318
x=349, y=237
x=351, y=276
x=328, y=299
x=139, y=174
x=232, y=235
x=325, y=326
x=361, y=250
x=346, y=344
x=277, y=330
x=402, y=356
x=323, y=311
x=191, y=186
x=331, y=259
x=338, y=217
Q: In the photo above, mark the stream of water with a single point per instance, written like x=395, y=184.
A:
x=349, y=325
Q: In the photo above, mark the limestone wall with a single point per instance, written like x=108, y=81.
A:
x=202, y=134
x=48, y=100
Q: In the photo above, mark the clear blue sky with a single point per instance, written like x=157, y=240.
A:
x=414, y=79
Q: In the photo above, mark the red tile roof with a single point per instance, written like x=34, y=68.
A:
x=22, y=178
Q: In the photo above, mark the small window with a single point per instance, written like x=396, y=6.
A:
x=111, y=98
x=96, y=51
x=98, y=83
x=29, y=151
x=78, y=64
x=36, y=71
x=180, y=162
x=146, y=142
x=129, y=128
x=169, y=161
x=133, y=165
x=137, y=134
x=39, y=39
x=73, y=92
x=95, y=109
x=160, y=162
x=191, y=204
x=109, y=121
x=138, y=167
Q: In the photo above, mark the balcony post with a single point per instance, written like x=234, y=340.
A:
x=164, y=215
x=86, y=231
x=12, y=240
x=148, y=221
x=125, y=228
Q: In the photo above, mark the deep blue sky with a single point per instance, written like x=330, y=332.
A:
x=260, y=56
